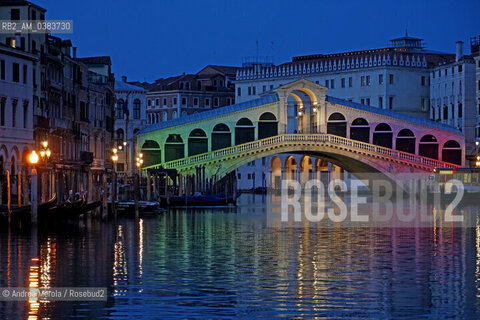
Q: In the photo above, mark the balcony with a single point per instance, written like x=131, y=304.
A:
x=41, y=122
x=86, y=157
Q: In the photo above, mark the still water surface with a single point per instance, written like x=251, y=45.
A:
x=229, y=263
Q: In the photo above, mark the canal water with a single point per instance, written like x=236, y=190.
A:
x=230, y=263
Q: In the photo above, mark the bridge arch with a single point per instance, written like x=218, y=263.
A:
x=174, y=147
x=337, y=124
x=405, y=141
x=452, y=152
x=244, y=131
x=383, y=135
x=428, y=146
x=152, y=152
x=360, y=130
x=267, y=125
x=221, y=137
x=197, y=142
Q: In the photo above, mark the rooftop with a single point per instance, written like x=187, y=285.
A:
x=125, y=86
x=96, y=60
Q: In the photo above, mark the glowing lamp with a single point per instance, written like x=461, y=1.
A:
x=114, y=158
x=33, y=158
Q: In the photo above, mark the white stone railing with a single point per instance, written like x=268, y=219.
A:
x=299, y=68
x=353, y=145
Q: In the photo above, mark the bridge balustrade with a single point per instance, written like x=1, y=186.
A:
x=315, y=138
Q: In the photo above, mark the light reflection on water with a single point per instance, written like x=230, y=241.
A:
x=228, y=263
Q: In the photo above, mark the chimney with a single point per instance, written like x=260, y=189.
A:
x=74, y=52
x=124, y=78
x=459, y=47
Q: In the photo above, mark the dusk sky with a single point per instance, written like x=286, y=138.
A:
x=154, y=39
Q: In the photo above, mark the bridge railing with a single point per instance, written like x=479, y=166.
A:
x=315, y=138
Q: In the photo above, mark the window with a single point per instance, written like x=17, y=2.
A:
x=195, y=101
x=423, y=81
x=157, y=102
x=390, y=78
x=215, y=102
x=184, y=101
x=350, y=82
x=14, y=112
x=368, y=80
x=332, y=83
x=16, y=72
x=460, y=110
x=422, y=104
x=239, y=91
x=2, y=111
x=446, y=71
x=249, y=91
x=239, y=176
x=174, y=101
x=368, y=101
x=254, y=90
x=119, y=109
x=362, y=81
x=25, y=70
x=34, y=15
x=380, y=79
x=362, y=101
x=136, y=109
x=25, y=113
x=207, y=102
x=342, y=83
x=2, y=69
x=327, y=83
x=271, y=87
x=164, y=102
x=15, y=14
x=390, y=102
x=380, y=102
x=149, y=102
x=264, y=88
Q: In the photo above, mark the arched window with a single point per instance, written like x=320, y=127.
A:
x=428, y=146
x=383, y=135
x=174, y=148
x=337, y=125
x=136, y=109
x=452, y=152
x=276, y=172
x=267, y=125
x=120, y=134
x=119, y=109
x=244, y=131
x=221, y=137
x=174, y=116
x=197, y=142
x=405, y=141
x=360, y=130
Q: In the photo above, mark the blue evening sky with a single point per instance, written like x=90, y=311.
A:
x=152, y=39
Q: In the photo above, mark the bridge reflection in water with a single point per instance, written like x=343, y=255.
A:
x=229, y=263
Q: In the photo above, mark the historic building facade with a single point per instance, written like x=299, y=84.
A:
x=130, y=117
x=170, y=98
x=452, y=95
x=72, y=104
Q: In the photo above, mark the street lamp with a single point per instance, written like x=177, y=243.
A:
x=33, y=157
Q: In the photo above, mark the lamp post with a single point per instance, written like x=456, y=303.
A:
x=477, y=157
x=33, y=158
x=45, y=154
x=114, y=181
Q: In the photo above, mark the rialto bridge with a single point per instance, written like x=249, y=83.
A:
x=299, y=118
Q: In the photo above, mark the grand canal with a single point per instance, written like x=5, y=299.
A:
x=229, y=263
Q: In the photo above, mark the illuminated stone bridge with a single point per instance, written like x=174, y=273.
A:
x=299, y=118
